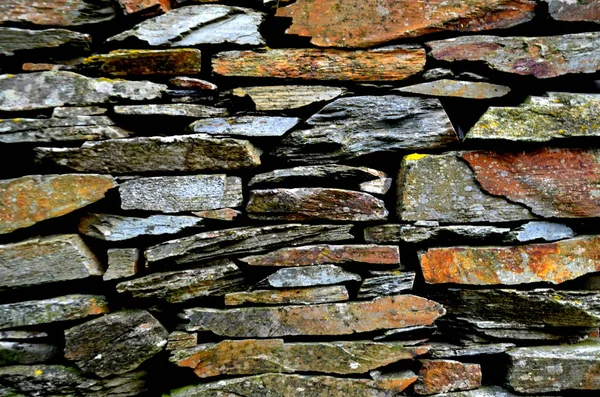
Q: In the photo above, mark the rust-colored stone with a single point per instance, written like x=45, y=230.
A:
x=551, y=262
x=313, y=64
x=551, y=182
x=146, y=62
x=135, y=6
x=194, y=83
x=56, y=12
x=365, y=23
x=442, y=376
x=574, y=11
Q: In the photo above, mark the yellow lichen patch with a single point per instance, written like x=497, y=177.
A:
x=415, y=157
x=38, y=372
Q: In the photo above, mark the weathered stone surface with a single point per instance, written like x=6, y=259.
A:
x=366, y=23
x=443, y=188
x=445, y=350
x=181, y=340
x=247, y=126
x=541, y=119
x=283, y=97
x=437, y=74
x=431, y=230
x=22, y=335
x=244, y=240
x=551, y=182
x=296, y=296
x=581, y=10
x=122, y=263
x=334, y=175
x=77, y=128
x=565, y=54
x=407, y=332
x=545, y=369
x=14, y=39
x=118, y=228
x=540, y=230
x=327, y=319
x=16, y=353
x=146, y=62
x=257, y=356
x=199, y=24
x=315, y=203
x=50, y=89
x=193, y=83
x=181, y=193
x=355, y=126
x=152, y=154
x=221, y=214
x=44, y=260
x=217, y=279
x=308, y=276
x=73, y=112
x=386, y=64
x=144, y=6
x=57, y=12
x=441, y=376
x=486, y=391
x=116, y=343
x=64, y=308
x=455, y=88
x=390, y=284
x=171, y=110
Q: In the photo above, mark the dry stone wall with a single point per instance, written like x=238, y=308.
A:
x=299, y=198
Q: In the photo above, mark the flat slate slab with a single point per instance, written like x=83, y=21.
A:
x=14, y=39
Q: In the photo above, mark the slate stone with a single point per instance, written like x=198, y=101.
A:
x=73, y=112
x=393, y=283
x=308, y=276
x=367, y=23
x=216, y=279
x=181, y=340
x=246, y=126
x=315, y=203
x=257, y=356
x=455, y=88
x=122, y=263
x=116, y=343
x=144, y=6
x=193, y=83
x=181, y=193
x=441, y=376
x=170, y=110
x=14, y=39
x=351, y=127
x=53, y=13
x=23, y=335
x=42, y=90
x=446, y=350
x=284, y=97
x=119, y=228
x=432, y=231
x=295, y=296
x=540, y=230
x=406, y=333
x=199, y=24
x=153, y=154
x=243, y=240
x=385, y=64
x=221, y=214
x=46, y=311
x=17, y=353
x=564, y=54
x=437, y=74
x=485, y=391
x=326, y=319
x=145, y=62
x=574, y=11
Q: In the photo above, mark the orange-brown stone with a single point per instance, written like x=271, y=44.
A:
x=442, y=376
x=56, y=12
x=134, y=6
x=146, y=62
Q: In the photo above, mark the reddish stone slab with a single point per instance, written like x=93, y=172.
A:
x=135, y=6
x=442, y=376
x=56, y=12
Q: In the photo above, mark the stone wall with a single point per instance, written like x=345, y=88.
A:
x=299, y=198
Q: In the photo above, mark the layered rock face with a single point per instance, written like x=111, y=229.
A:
x=336, y=198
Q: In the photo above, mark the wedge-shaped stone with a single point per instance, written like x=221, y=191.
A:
x=217, y=279
x=221, y=214
x=455, y=88
x=546, y=369
x=308, y=276
x=566, y=54
x=46, y=311
x=445, y=350
x=41, y=90
x=170, y=110
x=199, y=24
x=295, y=296
x=284, y=97
x=351, y=127
x=257, y=356
x=551, y=262
x=116, y=343
x=193, y=83
x=541, y=119
x=575, y=11
x=122, y=263
x=118, y=228
x=13, y=39
x=16, y=353
x=247, y=126
x=154, y=154
x=387, y=64
x=432, y=231
x=57, y=12
x=387, y=283
x=366, y=23
x=443, y=188
x=244, y=240
x=327, y=319
x=540, y=230
x=146, y=62
x=32, y=199
x=440, y=376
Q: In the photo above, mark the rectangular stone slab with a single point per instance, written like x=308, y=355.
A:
x=283, y=97
x=582, y=10
x=146, y=62
x=295, y=296
x=308, y=276
x=14, y=39
x=63, y=13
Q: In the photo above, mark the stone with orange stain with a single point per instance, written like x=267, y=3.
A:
x=57, y=12
x=366, y=23
x=145, y=6
x=456, y=88
x=574, y=11
x=31, y=199
x=146, y=62
x=442, y=376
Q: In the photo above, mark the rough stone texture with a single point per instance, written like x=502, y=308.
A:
x=193, y=83
x=118, y=228
x=16, y=353
x=171, y=110
x=199, y=24
x=77, y=128
x=256, y=356
x=445, y=350
x=217, y=279
x=22, y=335
x=441, y=376
x=315, y=203
x=181, y=340
x=326, y=319
x=72, y=112
x=460, y=89
x=122, y=263
x=363, y=255
x=351, y=127
x=485, y=391
x=432, y=231
x=296, y=296
x=551, y=182
x=541, y=119
x=537, y=230
x=59, y=88
x=153, y=154
x=283, y=97
x=144, y=6
x=545, y=369
x=57, y=12
x=407, y=332
x=246, y=126
x=386, y=64
x=146, y=62
x=366, y=23
x=44, y=260
x=542, y=57
x=390, y=284
x=443, y=188
x=308, y=276
x=116, y=343
x=221, y=214
x=14, y=39
x=581, y=10
x=64, y=308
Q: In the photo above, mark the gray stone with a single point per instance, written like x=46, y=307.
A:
x=308, y=276
x=65, y=13
x=181, y=340
x=193, y=83
x=69, y=111
x=446, y=350
x=581, y=10
x=437, y=73
x=296, y=296
x=181, y=193
x=171, y=110
x=418, y=233
x=246, y=126
x=455, y=88
x=485, y=391
x=12, y=335
x=221, y=214
x=122, y=263
x=284, y=97
x=391, y=284
x=17, y=353
x=540, y=230
x=13, y=39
